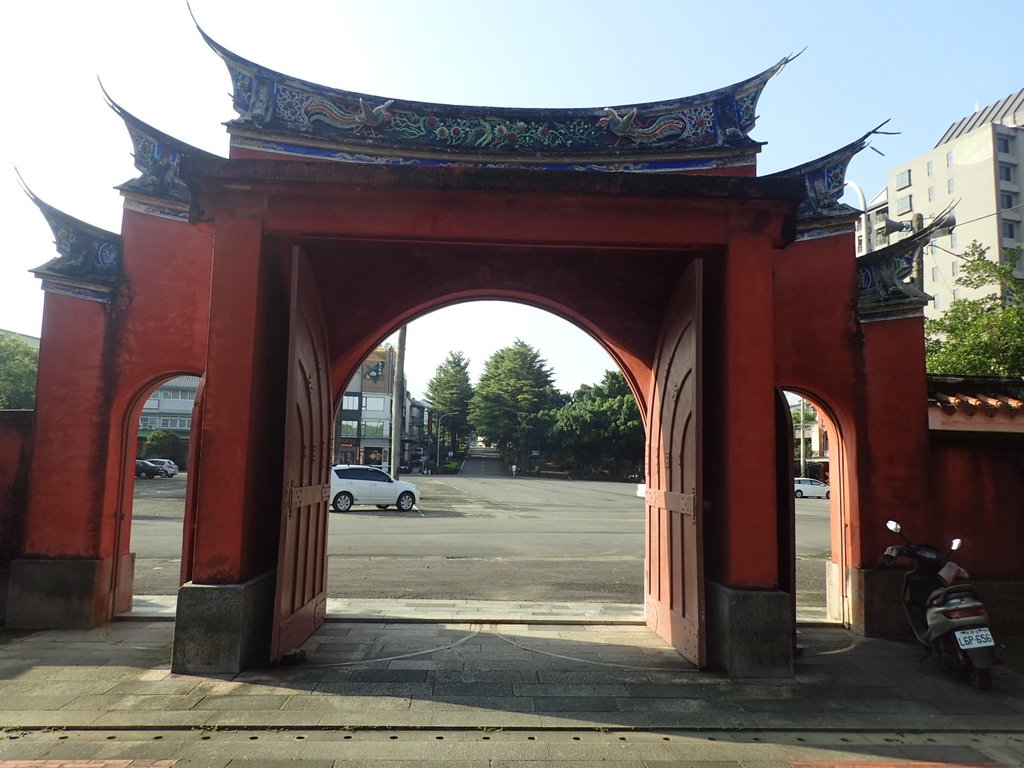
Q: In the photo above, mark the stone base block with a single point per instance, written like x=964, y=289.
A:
x=750, y=632
x=58, y=594
x=876, y=603
x=835, y=588
x=223, y=628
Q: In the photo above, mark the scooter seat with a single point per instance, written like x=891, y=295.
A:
x=944, y=593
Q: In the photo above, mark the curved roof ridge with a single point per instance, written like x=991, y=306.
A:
x=157, y=155
x=284, y=114
x=88, y=264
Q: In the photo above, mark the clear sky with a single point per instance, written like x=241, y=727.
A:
x=923, y=65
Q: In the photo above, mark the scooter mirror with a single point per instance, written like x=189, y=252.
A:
x=893, y=526
x=955, y=545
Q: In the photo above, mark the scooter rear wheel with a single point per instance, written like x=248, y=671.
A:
x=981, y=678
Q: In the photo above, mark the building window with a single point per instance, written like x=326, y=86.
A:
x=349, y=428
x=350, y=403
x=1005, y=200
x=931, y=194
x=931, y=167
x=373, y=403
x=937, y=301
x=373, y=428
x=949, y=159
x=956, y=294
x=1005, y=172
x=935, y=274
x=860, y=243
x=176, y=394
x=904, y=204
x=953, y=240
x=1004, y=144
x=1009, y=230
x=955, y=267
x=951, y=185
x=903, y=179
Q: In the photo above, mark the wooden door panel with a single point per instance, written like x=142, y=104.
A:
x=300, y=601
x=675, y=586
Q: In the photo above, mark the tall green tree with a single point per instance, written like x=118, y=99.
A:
x=981, y=337
x=600, y=430
x=165, y=444
x=515, y=387
x=449, y=391
x=19, y=363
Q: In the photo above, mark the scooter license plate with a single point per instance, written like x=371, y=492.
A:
x=974, y=638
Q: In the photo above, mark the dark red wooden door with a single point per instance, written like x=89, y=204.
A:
x=674, y=577
x=301, y=600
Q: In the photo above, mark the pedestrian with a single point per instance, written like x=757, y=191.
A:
x=514, y=470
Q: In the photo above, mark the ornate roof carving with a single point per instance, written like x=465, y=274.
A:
x=89, y=262
x=283, y=114
x=885, y=278
x=821, y=213
x=159, y=190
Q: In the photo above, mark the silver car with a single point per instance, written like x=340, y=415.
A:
x=168, y=467
x=811, y=488
x=356, y=484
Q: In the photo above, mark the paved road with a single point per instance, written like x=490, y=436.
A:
x=479, y=535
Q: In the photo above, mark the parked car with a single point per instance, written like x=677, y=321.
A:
x=811, y=488
x=356, y=484
x=146, y=469
x=170, y=469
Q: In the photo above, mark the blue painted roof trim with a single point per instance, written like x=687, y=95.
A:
x=307, y=117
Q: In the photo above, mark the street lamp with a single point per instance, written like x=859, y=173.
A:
x=439, y=420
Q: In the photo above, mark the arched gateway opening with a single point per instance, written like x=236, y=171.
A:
x=644, y=225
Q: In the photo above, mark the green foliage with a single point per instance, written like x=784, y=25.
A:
x=450, y=391
x=19, y=363
x=600, y=428
x=981, y=337
x=513, y=391
x=164, y=444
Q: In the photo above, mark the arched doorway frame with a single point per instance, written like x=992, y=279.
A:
x=841, y=504
x=123, y=453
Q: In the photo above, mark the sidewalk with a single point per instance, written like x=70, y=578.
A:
x=454, y=683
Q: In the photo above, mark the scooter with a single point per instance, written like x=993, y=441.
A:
x=947, y=618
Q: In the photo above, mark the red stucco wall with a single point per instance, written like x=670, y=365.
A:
x=977, y=493
x=96, y=365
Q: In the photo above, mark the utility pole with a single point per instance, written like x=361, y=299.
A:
x=803, y=453
x=398, y=405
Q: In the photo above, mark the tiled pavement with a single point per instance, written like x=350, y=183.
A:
x=471, y=692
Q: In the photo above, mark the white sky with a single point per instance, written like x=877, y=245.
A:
x=924, y=65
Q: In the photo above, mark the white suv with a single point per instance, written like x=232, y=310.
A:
x=353, y=484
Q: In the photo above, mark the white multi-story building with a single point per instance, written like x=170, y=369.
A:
x=974, y=171
x=363, y=427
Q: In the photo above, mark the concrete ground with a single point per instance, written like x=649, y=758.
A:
x=462, y=684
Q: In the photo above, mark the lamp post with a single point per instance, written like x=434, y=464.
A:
x=439, y=420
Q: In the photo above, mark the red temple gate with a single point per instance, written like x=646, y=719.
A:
x=646, y=226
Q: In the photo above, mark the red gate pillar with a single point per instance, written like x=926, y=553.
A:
x=65, y=576
x=224, y=614
x=749, y=617
x=892, y=476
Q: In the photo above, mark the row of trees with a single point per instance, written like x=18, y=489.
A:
x=981, y=337
x=19, y=362
x=516, y=408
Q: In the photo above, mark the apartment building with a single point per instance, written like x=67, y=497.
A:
x=363, y=426
x=974, y=171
